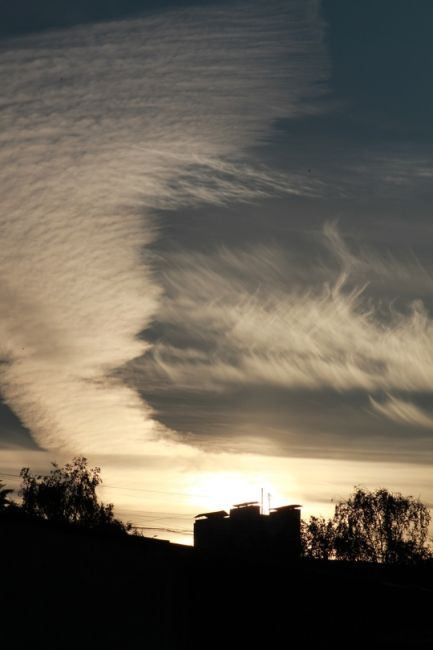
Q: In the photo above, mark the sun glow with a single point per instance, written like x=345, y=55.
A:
x=220, y=490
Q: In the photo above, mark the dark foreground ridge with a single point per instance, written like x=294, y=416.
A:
x=63, y=587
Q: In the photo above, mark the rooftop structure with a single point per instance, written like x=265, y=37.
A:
x=247, y=529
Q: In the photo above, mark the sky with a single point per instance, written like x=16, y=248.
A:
x=216, y=271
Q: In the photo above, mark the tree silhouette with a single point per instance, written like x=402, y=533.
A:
x=318, y=537
x=380, y=526
x=68, y=495
x=376, y=526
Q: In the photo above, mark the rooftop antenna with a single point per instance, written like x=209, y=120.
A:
x=269, y=501
x=261, y=501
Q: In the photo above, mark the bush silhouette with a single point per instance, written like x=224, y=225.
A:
x=68, y=495
x=4, y=501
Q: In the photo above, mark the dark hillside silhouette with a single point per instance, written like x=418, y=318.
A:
x=69, y=585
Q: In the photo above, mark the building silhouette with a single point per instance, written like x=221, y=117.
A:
x=246, y=529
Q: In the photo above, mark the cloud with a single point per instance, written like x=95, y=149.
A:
x=103, y=125
x=379, y=268
x=288, y=346
x=403, y=411
x=237, y=318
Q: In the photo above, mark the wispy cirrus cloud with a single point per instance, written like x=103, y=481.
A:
x=246, y=317
x=403, y=411
x=102, y=125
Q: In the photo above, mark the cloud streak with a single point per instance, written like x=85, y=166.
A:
x=402, y=411
x=103, y=125
x=239, y=319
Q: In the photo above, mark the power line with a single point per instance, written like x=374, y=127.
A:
x=178, y=494
x=121, y=487
x=168, y=530
x=160, y=514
